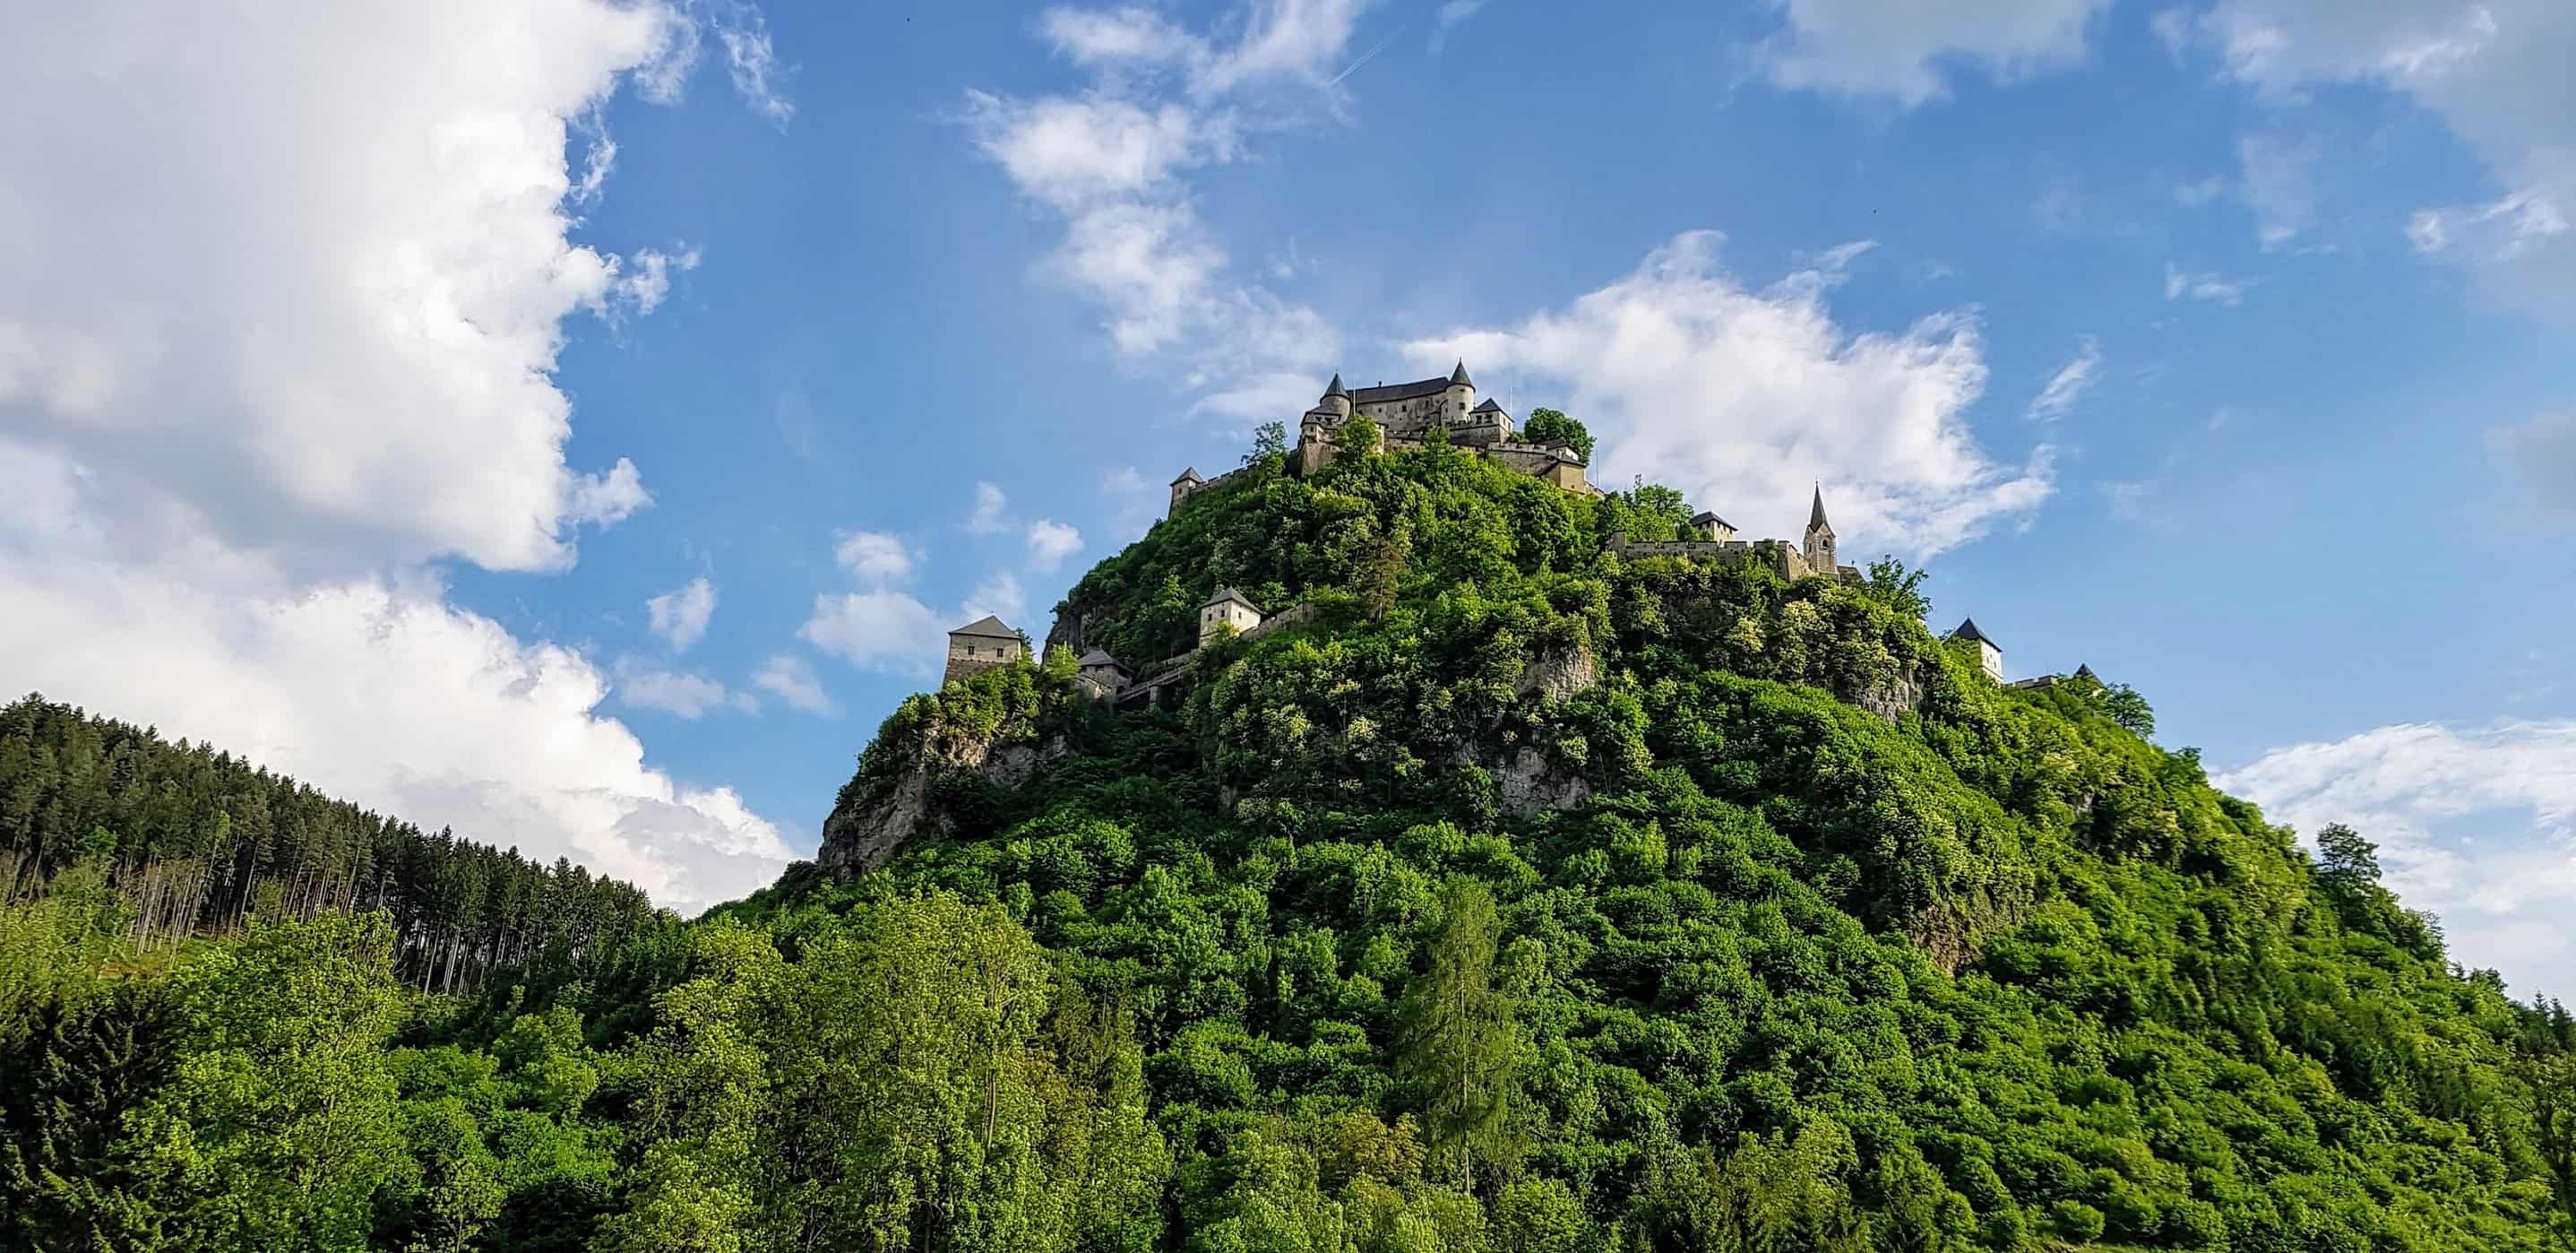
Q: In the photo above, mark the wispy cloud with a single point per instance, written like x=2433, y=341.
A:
x=2069, y=384
x=2213, y=287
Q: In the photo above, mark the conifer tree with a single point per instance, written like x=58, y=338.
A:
x=1458, y=1042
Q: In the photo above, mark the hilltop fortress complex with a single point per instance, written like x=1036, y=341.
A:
x=1407, y=415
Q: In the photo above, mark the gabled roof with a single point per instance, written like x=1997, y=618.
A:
x=1458, y=377
x=1485, y=405
x=1097, y=657
x=1385, y=392
x=2086, y=672
x=1711, y=516
x=1968, y=631
x=1816, y=515
x=1225, y=594
x=1190, y=475
x=987, y=627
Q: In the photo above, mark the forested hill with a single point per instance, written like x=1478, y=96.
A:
x=197, y=839
x=1520, y=899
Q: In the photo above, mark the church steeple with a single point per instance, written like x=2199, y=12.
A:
x=1816, y=513
x=1819, y=546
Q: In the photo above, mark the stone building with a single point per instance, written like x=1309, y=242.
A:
x=981, y=645
x=1100, y=673
x=1990, y=655
x=1406, y=414
x=1226, y=613
x=1712, y=539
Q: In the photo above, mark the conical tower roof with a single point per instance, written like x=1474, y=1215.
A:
x=1458, y=377
x=1336, y=389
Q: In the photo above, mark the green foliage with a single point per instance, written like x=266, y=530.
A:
x=1548, y=426
x=1525, y=898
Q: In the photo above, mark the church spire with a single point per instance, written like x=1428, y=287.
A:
x=1816, y=515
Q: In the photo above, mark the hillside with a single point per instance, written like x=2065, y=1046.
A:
x=1515, y=896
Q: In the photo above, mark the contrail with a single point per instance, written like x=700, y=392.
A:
x=1364, y=57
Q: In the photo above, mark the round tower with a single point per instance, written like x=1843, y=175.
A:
x=1336, y=398
x=1461, y=395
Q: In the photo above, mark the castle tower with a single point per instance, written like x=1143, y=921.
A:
x=1226, y=609
x=981, y=645
x=1990, y=655
x=1182, y=487
x=1461, y=394
x=1818, y=548
x=1336, y=398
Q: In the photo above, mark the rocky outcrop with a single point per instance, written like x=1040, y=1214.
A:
x=1557, y=675
x=867, y=830
x=1526, y=785
x=1888, y=698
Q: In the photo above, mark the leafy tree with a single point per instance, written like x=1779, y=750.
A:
x=1548, y=426
x=2128, y=709
x=1358, y=433
x=1270, y=439
x=1900, y=589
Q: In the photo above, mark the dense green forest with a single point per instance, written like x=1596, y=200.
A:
x=1523, y=899
x=196, y=840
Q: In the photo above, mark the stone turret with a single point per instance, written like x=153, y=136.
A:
x=1461, y=394
x=1818, y=545
x=1226, y=609
x=1990, y=655
x=1182, y=487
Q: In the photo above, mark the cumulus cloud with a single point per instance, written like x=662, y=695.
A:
x=1050, y=542
x=680, y=615
x=873, y=557
x=792, y=679
x=1113, y=163
x=2476, y=824
x=1743, y=397
x=254, y=421
x=2070, y=383
x=2495, y=71
x=1899, y=48
x=991, y=515
x=878, y=630
x=2543, y=452
x=672, y=692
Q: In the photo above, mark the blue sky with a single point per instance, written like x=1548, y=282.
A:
x=575, y=422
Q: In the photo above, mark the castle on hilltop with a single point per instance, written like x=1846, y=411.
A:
x=1406, y=415
x=1712, y=540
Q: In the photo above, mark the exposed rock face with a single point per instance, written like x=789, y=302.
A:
x=1890, y=699
x=1525, y=785
x=1556, y=676
x=866, y=833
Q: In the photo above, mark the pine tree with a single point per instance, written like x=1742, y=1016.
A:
x=1458, y=1043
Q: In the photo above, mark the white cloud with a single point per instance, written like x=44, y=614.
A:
x=381, y=237
x=2216, y=288
x=1113, y=162
x=2543, y=452
x=999, y=596
x=2195, y=194
x=1134, y=501
x=792, y=679
x=680, y=615
x=1898, y=48
x=878, y=630
x=681, y=695
x=2070, y=382
x=2476, y=824
x=253, y=422
x=2496, y=71
x=1742, y=398
x=874, y=557
x=1050, y=542
x=1451, y=15
x=991, y=515
x=2279, y=183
